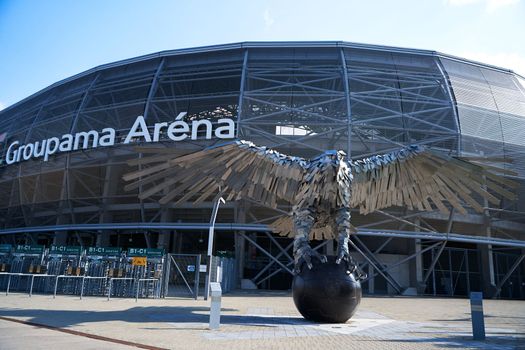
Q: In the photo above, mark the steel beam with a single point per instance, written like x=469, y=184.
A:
x=265, y=252
x=241, y=92
x=284, y=251
x=377, y=268
x=289, y=264
x=379, y=264
x=405, y=259
x=432, y=236
x=348, y=104
x=508, y=274
x=433, y=263
x=263, y=270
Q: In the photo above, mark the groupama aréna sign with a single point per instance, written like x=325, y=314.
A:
x=178, y=130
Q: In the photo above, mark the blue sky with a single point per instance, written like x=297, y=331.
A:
x=42, y=42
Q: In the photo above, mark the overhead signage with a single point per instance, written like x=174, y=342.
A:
x=178, y=130
x=5, y=248
x=29, y=249
x=149, y=252
x=115, y=251
x=65, y=250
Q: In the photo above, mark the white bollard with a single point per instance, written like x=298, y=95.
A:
x=215, y=308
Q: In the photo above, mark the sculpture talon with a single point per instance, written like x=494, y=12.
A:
x=351, y=266
x=305, y=256
x=342, y=256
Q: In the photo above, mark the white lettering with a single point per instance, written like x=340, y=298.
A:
x=181, y=115
x=40, y=153
x=66, y=144
x=179, y=127
x=20, y=151
x=140, y=123
x=195, y=128
x=227, y=131
x=156, y=132
x=178, y=130
x=29, y=154
x=51, y=147
x=109, y=139
x=84, y=136
x=8, y=158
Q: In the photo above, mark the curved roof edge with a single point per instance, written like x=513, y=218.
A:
x=255, y=44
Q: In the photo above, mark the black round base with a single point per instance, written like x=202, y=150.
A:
x=326, y=293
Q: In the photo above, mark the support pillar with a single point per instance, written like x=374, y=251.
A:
x=175, y=244
x=488, y=278
x=416, y=268
x=416, y=265
x=488, y=283
x=60, y=237
x=111, y=178
x=164, y=236
x=371, y=285
x=240, y=242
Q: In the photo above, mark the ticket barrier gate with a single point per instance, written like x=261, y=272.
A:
x=21, y=265
x=147, y=271
x=5, y=263
x=95, y=272
x=103, y=264
x=68, y=262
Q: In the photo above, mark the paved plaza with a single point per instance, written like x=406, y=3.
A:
x=256, y=320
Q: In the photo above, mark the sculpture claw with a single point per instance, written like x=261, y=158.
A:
x=343, y=255
x=306, y=257
x=351, y=265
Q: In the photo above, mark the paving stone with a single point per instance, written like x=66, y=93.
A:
x=380, y=323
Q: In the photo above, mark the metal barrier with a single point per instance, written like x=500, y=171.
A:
x=63, y=276
x=95, y=271
x=183, y=273
x=227, y=273
x=155, y=282
x=117, y=275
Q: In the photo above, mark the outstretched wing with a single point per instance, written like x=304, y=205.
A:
x=239, y=168
x=418, y=177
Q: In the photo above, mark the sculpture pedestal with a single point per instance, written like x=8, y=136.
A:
x=326, y=293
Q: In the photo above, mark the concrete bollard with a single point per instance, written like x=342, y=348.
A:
x=215, y=308
x=476, y=310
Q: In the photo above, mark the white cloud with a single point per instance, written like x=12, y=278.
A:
x=513, y=61
x=493, y=5
x=490, y=5
x=2, y=105
x=268, y=19
x=461, y=2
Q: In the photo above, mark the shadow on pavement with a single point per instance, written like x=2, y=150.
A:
x=144, y=315
x=455, y=342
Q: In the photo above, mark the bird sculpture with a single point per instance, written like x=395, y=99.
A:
x=322, y=190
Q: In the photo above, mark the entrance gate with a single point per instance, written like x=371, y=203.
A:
x=183, y=275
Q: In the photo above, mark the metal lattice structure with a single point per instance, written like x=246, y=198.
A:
x=300, y=98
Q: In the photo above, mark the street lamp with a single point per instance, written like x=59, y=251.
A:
x=217, y=202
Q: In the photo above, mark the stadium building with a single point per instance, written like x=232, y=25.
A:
x=66, y=148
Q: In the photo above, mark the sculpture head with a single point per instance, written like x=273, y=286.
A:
x=333, y=155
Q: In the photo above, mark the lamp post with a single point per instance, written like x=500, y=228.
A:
x=217, y=202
